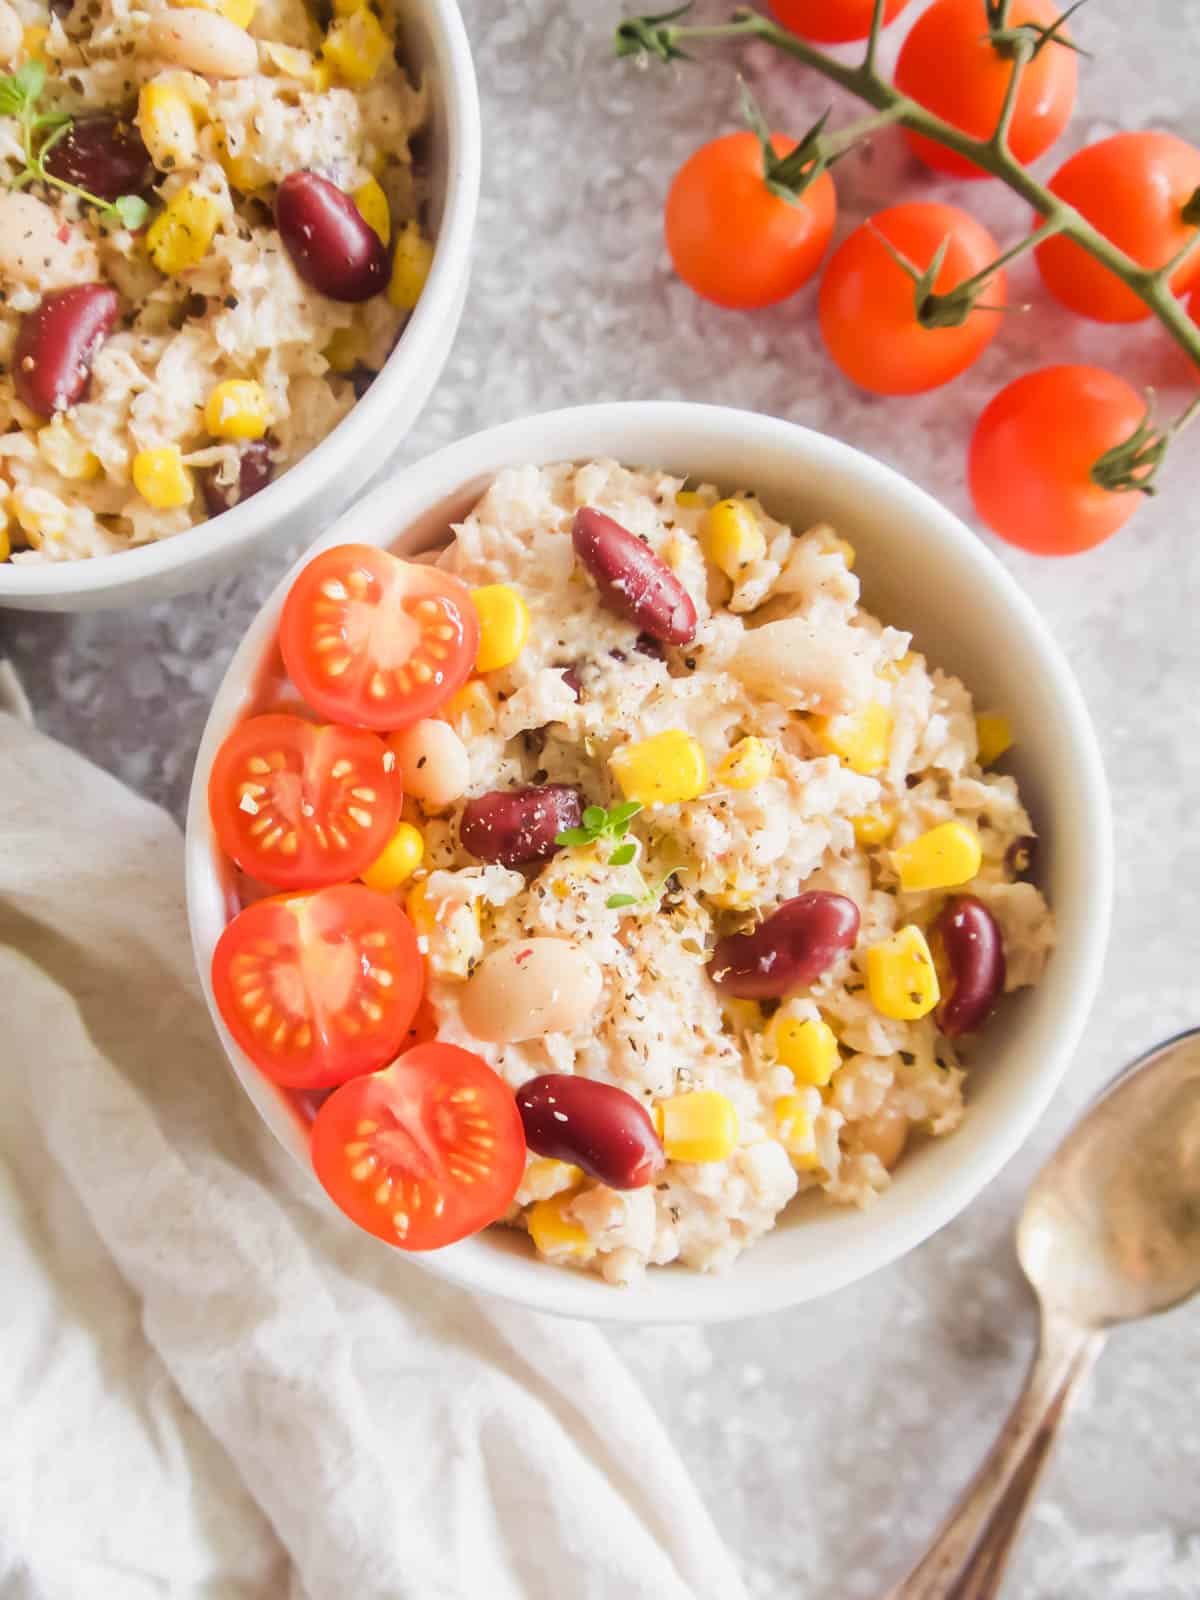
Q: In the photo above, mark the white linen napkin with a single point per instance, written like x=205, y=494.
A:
x=210, y=1386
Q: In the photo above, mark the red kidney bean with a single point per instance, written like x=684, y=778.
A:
x=969, y=950
x=631, y=579
x=330, y=244
x=1021, y=855
x=571, y=679
x=255, y=469
x=104, y=155
x=57, y=343
x=646, y=645
x=513, y=826
x=595, y=1126
x=788, y=951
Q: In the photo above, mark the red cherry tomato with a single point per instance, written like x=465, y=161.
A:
x=1133, y=188
x=318, y=987
x=832, y=21
x=424, y=1153
x=1033, y=451
x=949, y=65
x=298, y=806
x=374, y=641
x=867, y=305
x=731, y=239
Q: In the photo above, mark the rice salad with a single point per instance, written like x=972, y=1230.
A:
x=828, y=761
x=219, y=351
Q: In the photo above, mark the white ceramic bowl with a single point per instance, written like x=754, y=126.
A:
x=309, y=495
x=922, y=570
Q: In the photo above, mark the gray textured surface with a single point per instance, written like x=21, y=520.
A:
x=827, y=1440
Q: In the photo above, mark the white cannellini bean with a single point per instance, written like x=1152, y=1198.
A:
x=528, y=988
x=434, y=765
x=11, y=34
x=204, y=42
x=32, y=250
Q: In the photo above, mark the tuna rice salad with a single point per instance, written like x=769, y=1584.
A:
x=671, y=845
x=210, y=239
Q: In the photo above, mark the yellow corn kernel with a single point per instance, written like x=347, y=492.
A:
x=554, y=1234
x=33, y=40
x=746, y=765
x=560, y=889
x=893, y=671
x=356, y=46
x=994, y=735
x=808, y=1047
x=239, y=12
x=397, y=861
x=243, y=170
x=301, y=65
x=859, y=739
x=451, y=931
x=470, y=709
x=5, y=541
x=346, y=348
x=161, y=478
x=940, y=859
x=745, y=1015
x=700, y=1126
x=237, y=409
x=167, y=125
x=873, y=827
x=901, y=978
x=503, y=626
x=411, y=261
x=794, y=1124
x=40, y=515
x=347, y=8
x=373, y=208
x=64, y=451
x=834, y=544
x=662, y=770
x=180, y=235
x=691, y=499
x=733, y=537
x=739, y=894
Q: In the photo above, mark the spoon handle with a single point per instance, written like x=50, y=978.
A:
x=968, y=1555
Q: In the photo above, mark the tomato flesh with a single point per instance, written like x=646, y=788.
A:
x=731, y=239
x=299, y=807
x=1032, y=452
x=376, y=642
x=426, y=1152
x=867, y=304
x=949, y=65
x=319, y=987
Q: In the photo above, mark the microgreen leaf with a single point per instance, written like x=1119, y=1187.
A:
x=573, y=836
x=594, y=818
x=601, y=824
x=624, y=813
x=623, y=855
x=616, y=901
x=132, y=210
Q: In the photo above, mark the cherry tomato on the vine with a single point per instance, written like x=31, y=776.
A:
x=1133, y=187
x=867, y=305
x=318, y=987
x=832, y=21
x=425, y=1152
x=298, y=806
x=374, y=641
x=949, y=65
x=731, y=239
x=1032, y=454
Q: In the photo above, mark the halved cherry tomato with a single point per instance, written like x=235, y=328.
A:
x=731, y=239
x=319, y=987
x=832, y=21
x=1032, y=454
x=424, y=1153
x=867, y=305
x=298, y=806
x=949, y=65
x=1133, y=187
x=374, y=641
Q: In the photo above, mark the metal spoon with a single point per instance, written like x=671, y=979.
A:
x=1110, y=1232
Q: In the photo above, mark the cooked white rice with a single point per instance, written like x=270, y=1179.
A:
x=662, y=1026
x=242, y=312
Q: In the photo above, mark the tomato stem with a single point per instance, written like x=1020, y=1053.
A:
x=1133, y=465
x=1021, y=56
x=868, y=64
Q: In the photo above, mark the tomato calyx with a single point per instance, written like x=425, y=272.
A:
x=1134, y=463
x=653, y=35
x=787, y=177
x=1029, y=38
x=948, y=308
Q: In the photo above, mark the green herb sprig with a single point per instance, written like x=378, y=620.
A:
x=20, y=93
x=599, y=825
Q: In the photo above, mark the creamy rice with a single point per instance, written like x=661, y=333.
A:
x=723, y=861
x=242, y=312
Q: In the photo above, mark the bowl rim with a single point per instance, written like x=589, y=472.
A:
x=415, y=361
x=423, y=488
